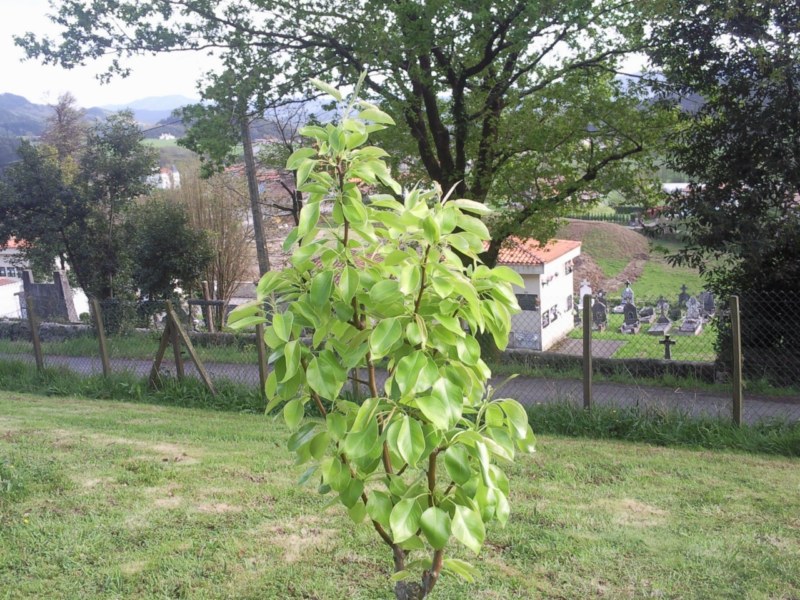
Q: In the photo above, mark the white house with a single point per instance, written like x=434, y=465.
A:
x=546, y=299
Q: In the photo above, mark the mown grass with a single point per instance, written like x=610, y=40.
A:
x=127, y=500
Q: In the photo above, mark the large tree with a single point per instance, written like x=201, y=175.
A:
x=77, y=211
x=482, y=88
x=741, y=147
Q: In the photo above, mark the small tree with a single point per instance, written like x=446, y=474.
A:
x=384, y=285
x=165, y=251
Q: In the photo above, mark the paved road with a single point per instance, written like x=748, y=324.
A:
x=528, y=390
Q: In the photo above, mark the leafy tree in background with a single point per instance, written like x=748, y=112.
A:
x=741, y=148
x=76, y=211
x=382, y=283
x=166, y=252
x=513, y=101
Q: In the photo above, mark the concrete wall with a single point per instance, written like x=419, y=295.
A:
x=9, y=299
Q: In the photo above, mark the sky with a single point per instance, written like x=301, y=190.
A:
x=152, y=76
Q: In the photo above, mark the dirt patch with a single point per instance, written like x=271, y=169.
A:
x=168, y=502
x=168, y=452
x=132, y=568
x=296, y=537
x=218, y=508
x=636, y=514
x=606, y=241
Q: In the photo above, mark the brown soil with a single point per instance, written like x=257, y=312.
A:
x=609, y=241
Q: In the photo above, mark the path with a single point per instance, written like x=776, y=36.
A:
x=528, y=390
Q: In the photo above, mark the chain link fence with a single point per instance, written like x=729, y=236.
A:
x=664, y=355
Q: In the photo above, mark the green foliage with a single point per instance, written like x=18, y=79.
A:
x=514, y=103
x=741, y=224
x=166, y=252
x=384, y=281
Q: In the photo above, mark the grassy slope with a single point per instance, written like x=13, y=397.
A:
x=612, y=247
x=115, y=500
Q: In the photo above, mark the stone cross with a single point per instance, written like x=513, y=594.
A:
x=668, y=343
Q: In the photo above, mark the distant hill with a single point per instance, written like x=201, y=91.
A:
x=153, y=109
x=20, y=118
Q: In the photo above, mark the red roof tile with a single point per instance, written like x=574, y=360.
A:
x=528, y=252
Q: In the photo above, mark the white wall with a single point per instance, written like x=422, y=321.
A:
x=9, y=302
x=556, y=293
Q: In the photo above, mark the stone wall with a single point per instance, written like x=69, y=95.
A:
x=52, y=301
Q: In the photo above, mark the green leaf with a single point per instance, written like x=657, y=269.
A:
x=461, y=568
x=304, y=170
x=352, y=493
x=291, y=355
x=436, y=526
x=408, y=371
x=404, y=519
x=376, y=116
x=297, y=157
x=361, y=443
x=309, y=217
x=517, y=418
x=357, y=512
x=319, y=445
x=321, y=288
x=282, y=325
x=327, y=88
x=293, y=413
x=508, y=275
x=301, y=436
x=325, y=375
x=431, y=230
x=409, y=279
x=472, y=206
x=379, y=507
x=468, y=528
x=410, y=440
x=337, y=425
x=456, y=462
x=348, y=283
x=502, y=510
x=387, y=333
x=436, y=409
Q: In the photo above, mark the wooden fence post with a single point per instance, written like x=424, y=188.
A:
x=207, y=312
x=33, y=322
x=736, y=347
x=587, y=351
x=182, y=336
x=176, y=343
x=262, y=357
x=101, y=337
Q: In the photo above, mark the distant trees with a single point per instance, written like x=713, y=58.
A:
x=78, y=199
x=219, y=205
x=514, y=103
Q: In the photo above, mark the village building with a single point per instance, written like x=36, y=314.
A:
x=546, y=299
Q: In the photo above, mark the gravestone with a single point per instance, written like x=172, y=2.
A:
x=627, y=294
x=683, y=297
x=663, y=323
x=599, y=316
x=707, y=304
x=585, y=289
x=647, y=314
x=662, y=306
x=631, y=324
x=693, y=322
x=51, y=300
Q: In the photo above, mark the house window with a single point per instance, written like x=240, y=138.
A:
x=2, y=271
x=528, y=301
x=12, y=272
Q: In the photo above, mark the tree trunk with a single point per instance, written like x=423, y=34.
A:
x=255, y=206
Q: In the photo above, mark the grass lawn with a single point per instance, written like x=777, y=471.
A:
x=111, y=500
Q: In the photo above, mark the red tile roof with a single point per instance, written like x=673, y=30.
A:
x=7, y=281
x=13, y=243
x=528, y=252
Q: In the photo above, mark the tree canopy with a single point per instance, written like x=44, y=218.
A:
x=485, y=91
x=741, y=145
